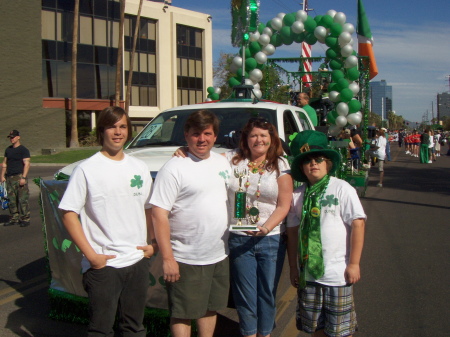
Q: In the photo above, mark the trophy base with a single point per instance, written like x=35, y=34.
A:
x=244, y=228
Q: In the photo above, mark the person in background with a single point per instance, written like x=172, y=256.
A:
x=303, y=101
x=424, y=144
x=437, y=143
x=380, y=154
x=325, y=228
x=388, y=144
x=190, y=217
x=106, y=211
x=16, y=165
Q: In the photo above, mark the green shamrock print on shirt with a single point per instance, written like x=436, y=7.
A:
x=137, y=182
x=329, y=200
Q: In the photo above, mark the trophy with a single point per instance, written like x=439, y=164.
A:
x=240, y=205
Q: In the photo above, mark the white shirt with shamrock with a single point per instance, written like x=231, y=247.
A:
x=111, y=197
x=340, y=205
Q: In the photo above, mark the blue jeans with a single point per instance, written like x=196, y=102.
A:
x=121, y=290
x=255, y=269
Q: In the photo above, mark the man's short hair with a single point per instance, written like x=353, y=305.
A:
x=201, y=120
x=108, y=117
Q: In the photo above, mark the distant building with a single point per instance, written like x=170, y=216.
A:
x=443, y=106
x=172, y=65
x=380, y=98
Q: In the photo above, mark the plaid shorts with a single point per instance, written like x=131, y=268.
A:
x=325, y=307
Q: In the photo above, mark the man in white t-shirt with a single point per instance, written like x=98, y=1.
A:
x=106, y=211
x=380, y=154
x=190, y=217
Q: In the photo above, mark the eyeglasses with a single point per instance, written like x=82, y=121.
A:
x=318, y=160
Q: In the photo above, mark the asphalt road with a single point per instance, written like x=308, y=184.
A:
x=405, y=267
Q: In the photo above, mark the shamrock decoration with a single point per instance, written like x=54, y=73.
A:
x=329, y=200
x=137, y=182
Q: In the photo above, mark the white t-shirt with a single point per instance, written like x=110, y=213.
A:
x=267, y=202
x=111, y=196
x=380, y=153
x=194, y=191
x=341, y=207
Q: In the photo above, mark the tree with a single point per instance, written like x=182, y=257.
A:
x=221, y=74
x=74, y=114
x=133, y=53
x=120, y=54
x=374, y=119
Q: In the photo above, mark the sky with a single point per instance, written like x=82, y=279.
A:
x=411, y=43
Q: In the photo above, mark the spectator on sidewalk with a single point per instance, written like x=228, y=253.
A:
x=380, y=154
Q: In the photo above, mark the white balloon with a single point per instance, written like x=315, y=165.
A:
x=276, y=23
x=341, y=121
x=347, y=50
x=260, y=57
x=354, y=87
x=208, y=100
x=351, y=61
x=264, y=39
x=354, y=119
x=342, y=109
x=256, y=75
x=348, y=27
x=334, y=96
x=256, y=85
x=217, y=90
x=320, y=32
x=331, y=13
x=254, y=36
x=344, y=38
x=301, y=15
x=237, y=61
x=248, y=81
x=339, y=17
x=267, y=31
x=281, y=15
x=298, y=27
x=256, y=93
x=268, y=50
x=359, y=113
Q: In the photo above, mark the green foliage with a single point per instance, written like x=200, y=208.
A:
x=65, y=157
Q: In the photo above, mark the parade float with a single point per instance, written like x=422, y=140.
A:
x=348, y=76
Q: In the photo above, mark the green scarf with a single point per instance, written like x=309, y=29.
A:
x=310, y=243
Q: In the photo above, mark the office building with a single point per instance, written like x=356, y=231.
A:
x=172, y=64
x=443, y=106
x=380, y=98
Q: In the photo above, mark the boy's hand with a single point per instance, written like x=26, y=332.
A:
x=352, y=273
x=99, y=261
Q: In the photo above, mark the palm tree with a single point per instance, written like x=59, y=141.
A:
x=74, y=114
x=120, y=53
x=133, y=52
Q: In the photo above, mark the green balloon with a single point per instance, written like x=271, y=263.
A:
x=210, y=90
x=269, y=24
x=233, y=81
x=335, y=64
x=336, y=75
x=260, y=66
x=354, y=105
x=286, y=35
x=254, y=47
x=331, y=41
x=310, y=24
x=353, y=73
x=289, y=19
x=261, y=27
x=326, y=21
x=311, y=39
x=346, y=95
x=276, y=40
x=250, y=64
x=318, y=18
x=331, y=53
x=342, y=83
x=214, y=96
x=332, y=87
x=239, y=72
x=247, y=53
x=299, y=38
x=331, y=117
x=335, y=29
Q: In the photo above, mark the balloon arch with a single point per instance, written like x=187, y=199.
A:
x=330, y=29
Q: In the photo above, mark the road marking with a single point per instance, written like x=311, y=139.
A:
x=17, y=291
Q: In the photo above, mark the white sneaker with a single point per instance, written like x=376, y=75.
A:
x=430, y=162
x=379, y=185
x=407, y=152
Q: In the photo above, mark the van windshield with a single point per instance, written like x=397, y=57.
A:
x=167, y=128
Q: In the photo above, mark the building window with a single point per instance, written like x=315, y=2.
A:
x=189, y=65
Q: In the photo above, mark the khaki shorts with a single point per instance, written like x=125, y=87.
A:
x=200, y=289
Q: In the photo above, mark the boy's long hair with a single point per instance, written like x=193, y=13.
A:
x=108, y=117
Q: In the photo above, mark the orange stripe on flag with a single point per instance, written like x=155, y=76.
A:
x=365, y=49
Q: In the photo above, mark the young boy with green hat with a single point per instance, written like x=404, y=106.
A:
x=325, y=239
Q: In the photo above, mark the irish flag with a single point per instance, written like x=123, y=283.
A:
x=365, y=40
